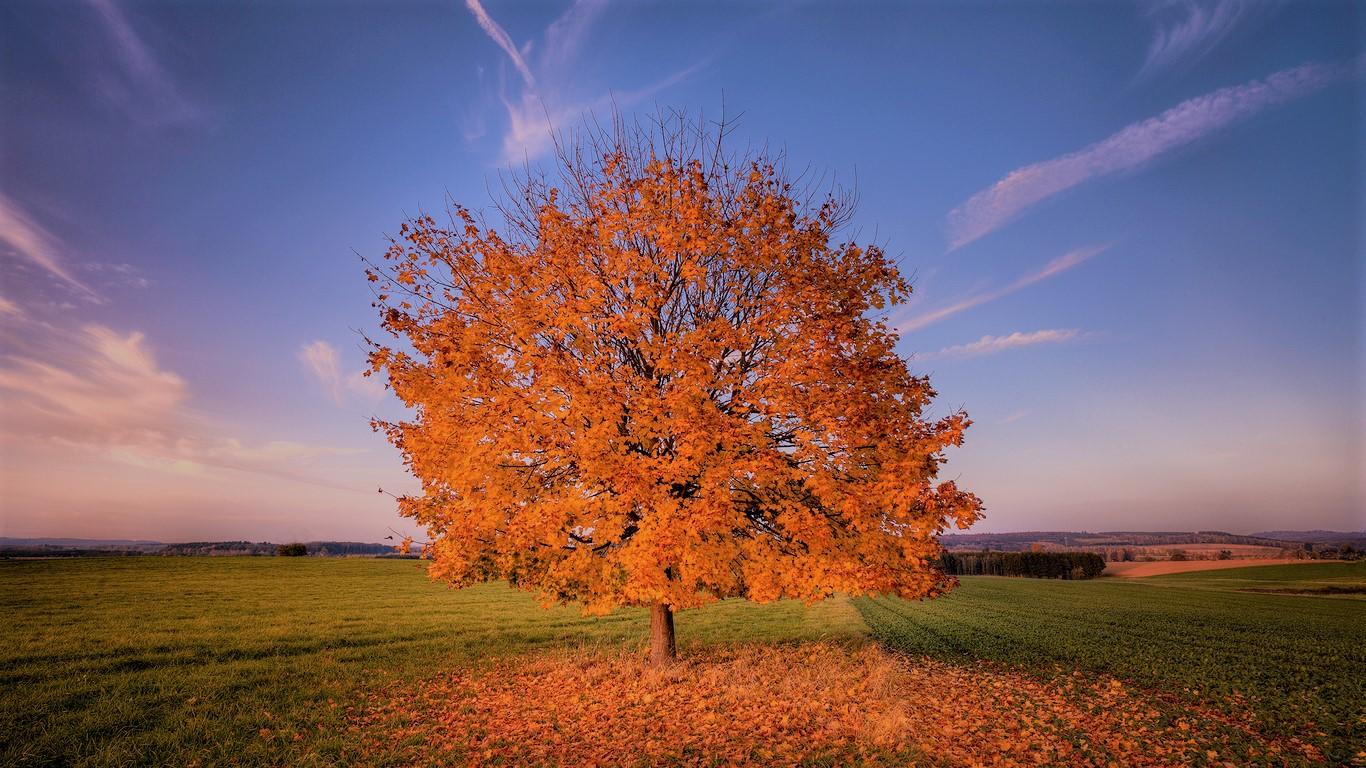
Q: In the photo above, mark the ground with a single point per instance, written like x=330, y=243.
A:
x=272, y=661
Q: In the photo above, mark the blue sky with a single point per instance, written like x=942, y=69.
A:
x=1135, y=232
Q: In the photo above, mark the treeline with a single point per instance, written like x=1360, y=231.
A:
x=1026, y=540
x=263, y=548
x=49, y=550
x=218, y=548
x=1034, y=565
x=40, y=548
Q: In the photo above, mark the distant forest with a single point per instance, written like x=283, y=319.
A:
x=1036, y=565
x=97, y=548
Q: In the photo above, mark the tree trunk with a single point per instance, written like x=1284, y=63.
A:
x=662, y=650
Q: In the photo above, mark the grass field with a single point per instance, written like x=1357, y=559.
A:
x=1298, y=661
x=184, y=661
x=1139, y=570
x=178, y=661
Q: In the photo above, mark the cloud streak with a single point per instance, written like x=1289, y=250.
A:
x=1131, y=147
x=139, y=85
x=1061, y=264
x=545, y=99
x=990, y=345
x=31, y=242
x=498, y=35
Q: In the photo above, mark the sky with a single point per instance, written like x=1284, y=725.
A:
x=1135, y=233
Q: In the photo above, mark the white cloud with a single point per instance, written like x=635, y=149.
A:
x=1130, y=148
x=100, y=391
x=322, y=361
x=1061, y=264
x=988, y=345
x=108, y=382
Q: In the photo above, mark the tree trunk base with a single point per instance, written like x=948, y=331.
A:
x=662, y=647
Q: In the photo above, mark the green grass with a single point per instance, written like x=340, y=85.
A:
x=1300, y=661
x=181, y=661
x=1336, y=578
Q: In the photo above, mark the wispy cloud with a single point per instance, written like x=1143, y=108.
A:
x=565, y=35
x=1188, y=30
x=500, y=36
x=322, y=360
x=109, y=381
x=8, y=307
x=532, y=126
x=36, y=245
x=138, y=84
x=550, y=95
x=1131, y=147
x=98, y=390
x=989, y=345
x=112, y=275
x=1061, y=264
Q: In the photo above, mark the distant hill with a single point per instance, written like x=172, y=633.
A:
x=128, y=544
x=1078, y=539
x=1161, y=545
x=1111, y=544
x=60, y=547
x=1355, y=538
x=321, y=548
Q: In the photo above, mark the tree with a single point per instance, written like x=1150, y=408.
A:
x=661, y=382
x=291, y=550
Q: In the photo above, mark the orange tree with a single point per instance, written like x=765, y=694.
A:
x=660, y=381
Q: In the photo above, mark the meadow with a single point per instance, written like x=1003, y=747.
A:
x=299, y=661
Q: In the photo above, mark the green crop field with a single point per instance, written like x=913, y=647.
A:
x=183, y=661
x=1298, y=660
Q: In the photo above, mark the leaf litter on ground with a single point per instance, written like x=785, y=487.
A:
x=812, y=703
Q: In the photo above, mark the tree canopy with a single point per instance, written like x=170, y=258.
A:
x=658, y=378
